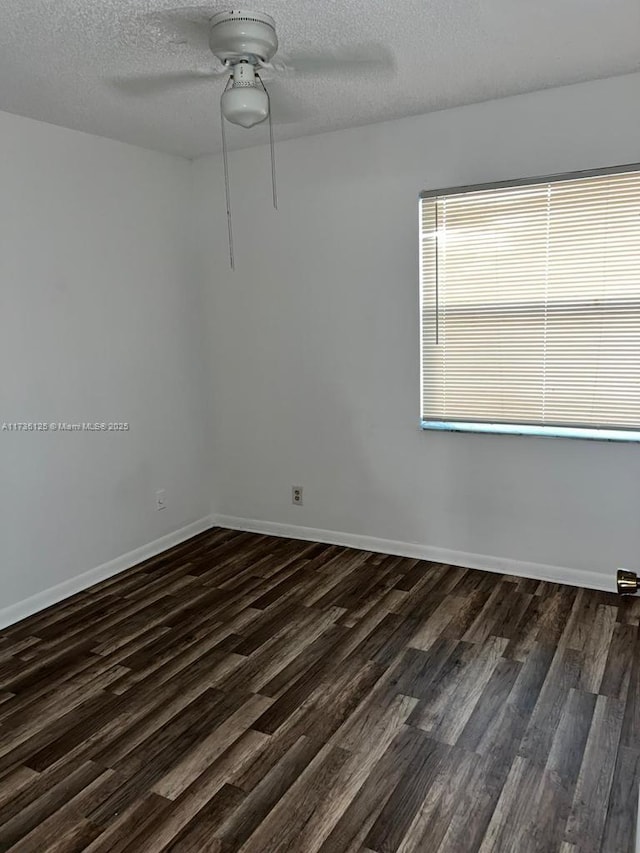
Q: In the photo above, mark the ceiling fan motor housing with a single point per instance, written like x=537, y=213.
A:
x=240, y=35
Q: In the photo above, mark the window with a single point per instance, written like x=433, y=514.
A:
x=530, y=306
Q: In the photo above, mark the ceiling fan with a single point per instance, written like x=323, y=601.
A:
x=245, y=44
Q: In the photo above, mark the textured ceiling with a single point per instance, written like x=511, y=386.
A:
x=59, y=60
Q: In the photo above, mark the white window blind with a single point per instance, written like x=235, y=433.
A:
x=530, y=300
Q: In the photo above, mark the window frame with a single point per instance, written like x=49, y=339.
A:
x=624, y=435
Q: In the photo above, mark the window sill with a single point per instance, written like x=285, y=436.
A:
x=534, y=430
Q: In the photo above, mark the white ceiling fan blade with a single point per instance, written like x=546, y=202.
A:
x=360, y=59
x=156, y=84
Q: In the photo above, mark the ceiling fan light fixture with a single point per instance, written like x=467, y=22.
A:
x=245, y=102
x=245, y=105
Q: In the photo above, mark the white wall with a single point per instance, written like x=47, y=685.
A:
x=314, y=342
x=100, y=320
x=311, y=364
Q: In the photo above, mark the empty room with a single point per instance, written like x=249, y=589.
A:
x=320, y=426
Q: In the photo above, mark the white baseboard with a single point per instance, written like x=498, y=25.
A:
x=41, y=600
x=501, y=565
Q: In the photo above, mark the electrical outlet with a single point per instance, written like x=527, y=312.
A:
x=296, y=495
x=161, y=499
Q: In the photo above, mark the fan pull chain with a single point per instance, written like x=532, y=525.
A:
x=273, y=149
x=227, y=188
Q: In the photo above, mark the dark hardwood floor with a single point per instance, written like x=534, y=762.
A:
x=248, y=693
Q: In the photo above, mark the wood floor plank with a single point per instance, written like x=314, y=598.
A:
x=563, y=675
x=466, y=695
x=243, y=693
x=33, y=815
x=284, y=829
x=432, y=627
x=596, y=649
x=14, y=781
x=266, y=795
x=478, y=798
x=620, y=825
x=435, y=814
x=198, y=836
x=126, y=827
x=400, y=809
x=196, y=797
x=206, y=751
x=616, y=674
x=364, y=754
x=357, y=819
x=585, y=825
x=563, y=766
x=490, y=702
x=534, y=806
